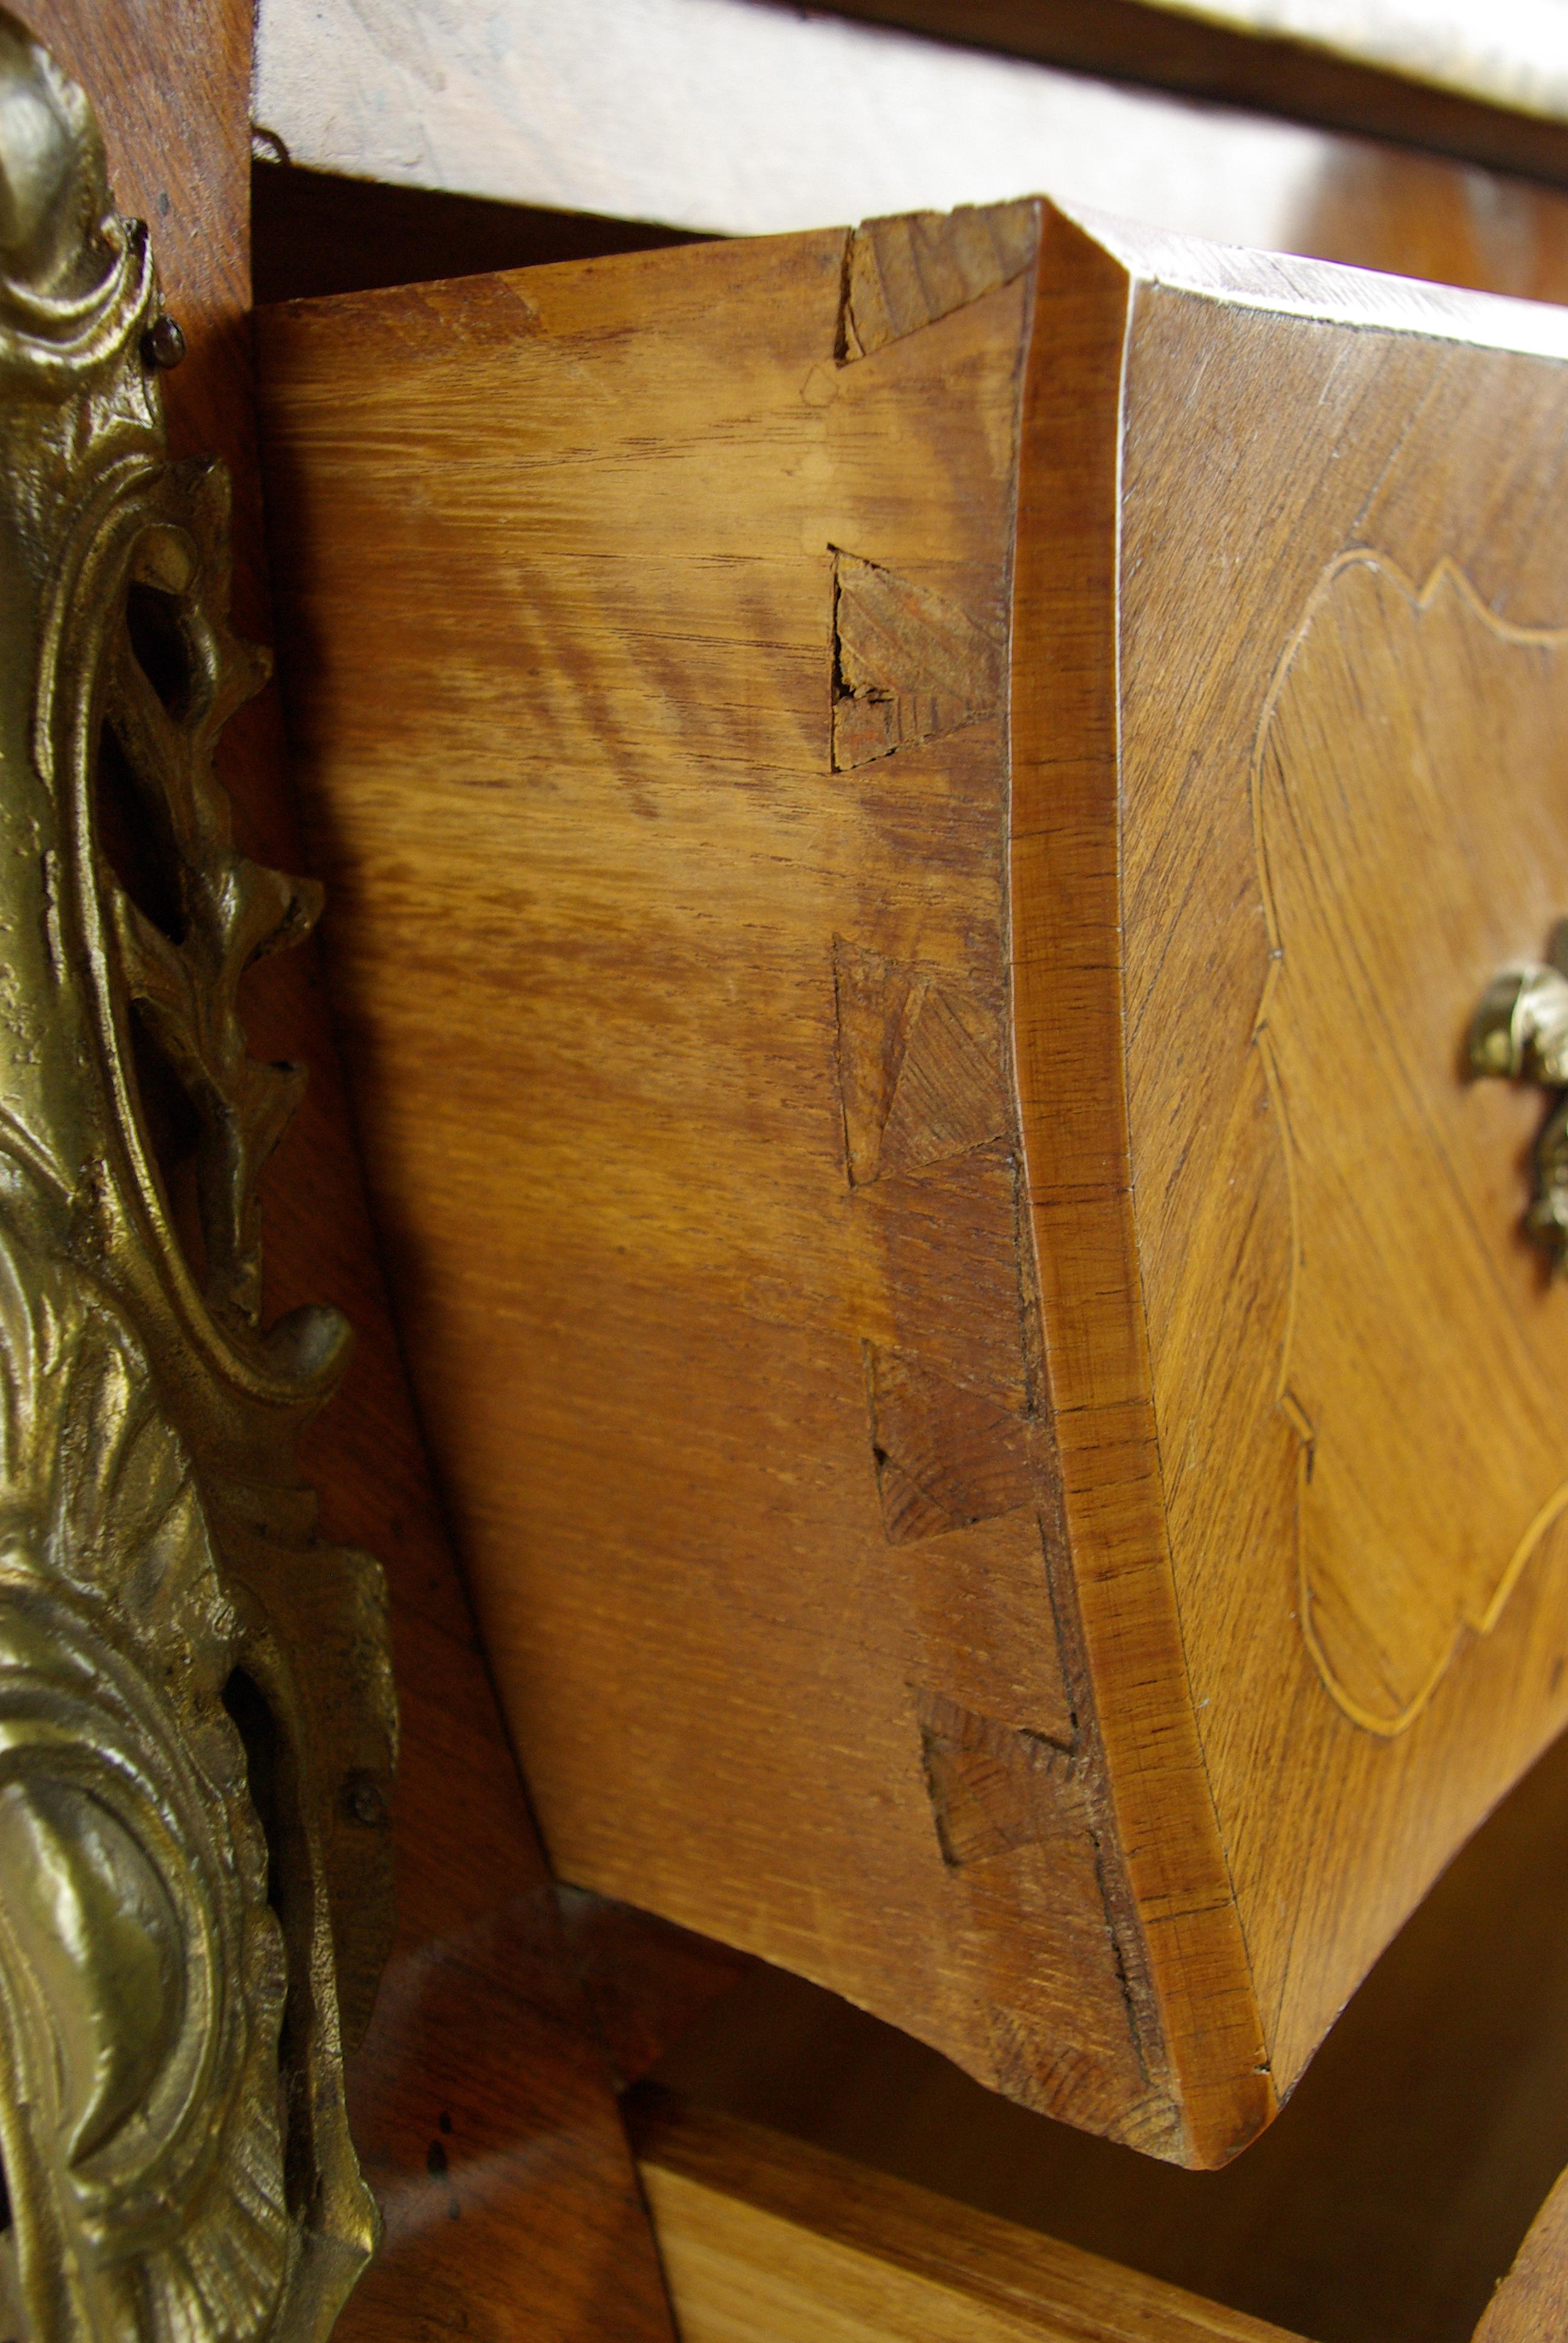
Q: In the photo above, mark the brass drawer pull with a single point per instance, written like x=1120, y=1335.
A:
x=1519, y=1033
x=196, y=1718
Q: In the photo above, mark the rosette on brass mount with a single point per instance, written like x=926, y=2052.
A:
x=197, y=1722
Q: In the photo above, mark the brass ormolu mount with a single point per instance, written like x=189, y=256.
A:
x=197, y=1722
x=1520, y=1032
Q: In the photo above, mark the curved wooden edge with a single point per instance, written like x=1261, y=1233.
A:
x=767, y=2239
x=1067, y=1025
x=1531, y=2305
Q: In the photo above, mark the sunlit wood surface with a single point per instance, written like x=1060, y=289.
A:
x=735, y=118
x=949, y=1262
x=766, y=2240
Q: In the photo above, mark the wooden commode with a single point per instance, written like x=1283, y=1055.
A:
x=917, y=822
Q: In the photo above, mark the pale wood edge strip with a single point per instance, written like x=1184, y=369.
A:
x=1327, y=291
x=1067, y=1020
x=1531, y=2304
x=1489, y=58
x=1025, y=2281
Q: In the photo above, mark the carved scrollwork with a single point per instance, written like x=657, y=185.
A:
x=197, y=1722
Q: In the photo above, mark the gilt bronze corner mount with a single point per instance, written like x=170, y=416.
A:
x=1519, y=1033
x=197, y=1727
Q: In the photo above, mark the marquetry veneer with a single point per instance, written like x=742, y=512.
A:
x=916, y=821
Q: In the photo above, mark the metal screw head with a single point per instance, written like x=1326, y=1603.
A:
x=363, y=1801
x=164, y=343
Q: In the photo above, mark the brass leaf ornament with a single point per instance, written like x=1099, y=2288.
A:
x=197, y=1728
x=1519, y=1033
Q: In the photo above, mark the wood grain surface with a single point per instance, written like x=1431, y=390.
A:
x=1489, y=90
x=1531, y=2305
x=316, y=232
x=1342, y=811
x=766, y=2240
x=1383, y=2204
x=951, y=1389
x=808, y=1206
x=647, y=1982
x=480, y=2104
x=770, y=119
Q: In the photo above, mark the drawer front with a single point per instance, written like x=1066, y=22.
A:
x=919, y=820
